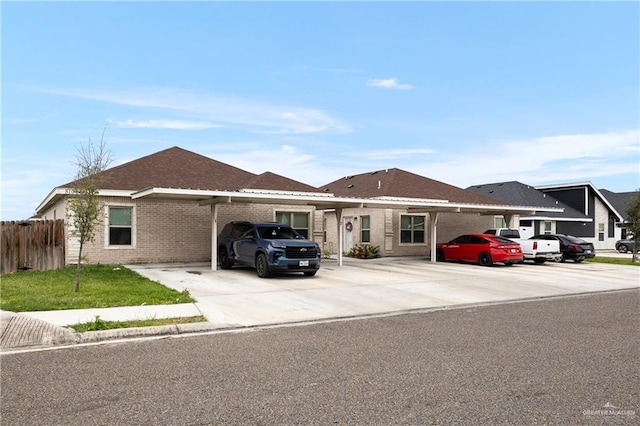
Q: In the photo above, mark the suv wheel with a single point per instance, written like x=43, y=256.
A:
x=224, y=260
x=262, y=266
x=622, y=248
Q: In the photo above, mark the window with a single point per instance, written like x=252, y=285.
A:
x=412, y=229
x=296, y=220
x=601, y=232
x=547, y=227
x=120, y=226
x=365, y=229
x=324, y=229
x=498, y=222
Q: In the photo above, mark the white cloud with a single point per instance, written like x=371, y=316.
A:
x=396, y=153
x=20, y=121
x=165, y=124
x=549, y=159
x=255, y=116
x=389, y=83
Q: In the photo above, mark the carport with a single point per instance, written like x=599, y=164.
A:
x=432, y=207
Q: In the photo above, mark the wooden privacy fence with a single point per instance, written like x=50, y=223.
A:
x=38, y=245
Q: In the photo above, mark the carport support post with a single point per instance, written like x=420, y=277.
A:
x=433, y=234
x=507, y=220
x=340, y=236
x=214, y=236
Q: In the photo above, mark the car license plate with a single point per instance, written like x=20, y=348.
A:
x=588, y=251
x=514, y=251
x=304, y=263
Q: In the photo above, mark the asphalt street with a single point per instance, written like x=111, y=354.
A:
x=565, y=360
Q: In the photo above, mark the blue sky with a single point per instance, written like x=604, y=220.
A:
x=466, y=93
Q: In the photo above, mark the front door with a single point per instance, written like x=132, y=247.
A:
x=347, y=243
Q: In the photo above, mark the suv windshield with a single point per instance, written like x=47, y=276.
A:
x=278, y=233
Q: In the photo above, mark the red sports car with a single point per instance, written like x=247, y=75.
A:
x=480, y=248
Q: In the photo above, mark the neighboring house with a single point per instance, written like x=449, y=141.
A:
x=169, y=207
x=587, y=213
x=621, y=202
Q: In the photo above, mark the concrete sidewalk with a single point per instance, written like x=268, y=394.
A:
x=47, y=328
x=237, y=298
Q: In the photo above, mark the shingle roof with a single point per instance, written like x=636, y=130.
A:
x=178, y=168
x=274, y=182
x=619, y=200
x=524, y=195
x=402, y=184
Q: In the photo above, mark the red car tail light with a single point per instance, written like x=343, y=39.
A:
x=535, y=245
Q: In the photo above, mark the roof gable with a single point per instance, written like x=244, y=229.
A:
x=563, y=188
x=620, y=200
x=174, y=168
x=524, y=195
x=402, y=184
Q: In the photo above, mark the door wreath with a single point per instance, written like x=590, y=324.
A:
x=349, y=226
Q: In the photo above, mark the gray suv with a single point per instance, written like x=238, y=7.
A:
x=269, y=247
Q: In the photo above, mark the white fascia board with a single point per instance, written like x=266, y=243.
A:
x=278, y=192
x=330, y=201
x=114, y=193
x=61, y=192
x=51, y=197
x=509, y=208
x=564, y=185
x=557, y=219
x=178, y=192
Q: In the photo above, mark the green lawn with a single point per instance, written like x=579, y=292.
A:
x=101, y=286
x=99, y=324
x=613, y=260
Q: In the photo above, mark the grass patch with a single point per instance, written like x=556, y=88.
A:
x=99, y=324
x=613, y=260
x=101, y=286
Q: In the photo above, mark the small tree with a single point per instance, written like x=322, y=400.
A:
x=83, y=203
x=633, y=222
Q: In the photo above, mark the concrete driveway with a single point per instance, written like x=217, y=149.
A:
x=238, y=297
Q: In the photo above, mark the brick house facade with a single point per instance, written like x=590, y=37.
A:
x=163, y=208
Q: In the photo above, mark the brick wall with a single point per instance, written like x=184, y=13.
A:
x=172, y=230
x=180, y=231
x=385, y=230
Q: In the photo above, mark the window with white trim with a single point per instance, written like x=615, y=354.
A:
x=601, y=232
x=297, y=220
x=120, y=226
x=547, y=227
x=498, y=222
x=365, y=229
x=412, y=229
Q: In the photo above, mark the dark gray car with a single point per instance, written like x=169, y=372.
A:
x=624, y=246
x=572, y=248
x=269, y=247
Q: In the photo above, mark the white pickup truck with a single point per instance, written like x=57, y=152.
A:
x=536, y=250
